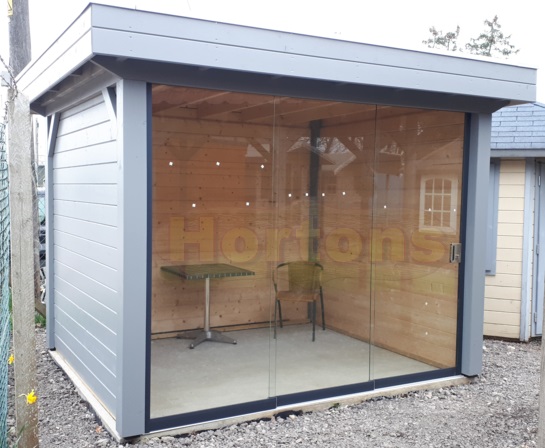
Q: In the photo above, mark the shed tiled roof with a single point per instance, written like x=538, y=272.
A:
x=519, y=127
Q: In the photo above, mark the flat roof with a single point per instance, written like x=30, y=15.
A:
x=106, y=42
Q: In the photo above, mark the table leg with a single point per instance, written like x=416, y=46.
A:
x=207, y=334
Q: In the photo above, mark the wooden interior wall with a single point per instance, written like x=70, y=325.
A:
x=415, y=292
x=381, y=270
x=200, y=211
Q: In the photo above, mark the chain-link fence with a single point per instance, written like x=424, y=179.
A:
x=4, y=288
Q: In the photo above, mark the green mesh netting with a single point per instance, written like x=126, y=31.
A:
x=4, y=289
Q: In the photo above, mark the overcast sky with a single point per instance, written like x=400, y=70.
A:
x=398, y=23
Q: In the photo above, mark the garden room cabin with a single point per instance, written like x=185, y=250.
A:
x=205, y=177
x=515, y=274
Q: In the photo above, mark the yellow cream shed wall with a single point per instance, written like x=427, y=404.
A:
x=503, y=290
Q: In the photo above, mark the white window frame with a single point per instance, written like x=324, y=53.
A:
x=449, y=227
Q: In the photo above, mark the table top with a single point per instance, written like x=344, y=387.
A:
x=212, y=270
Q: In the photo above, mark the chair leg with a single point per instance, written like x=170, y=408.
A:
x=313, y=321
x=275, y=305
x=280, y=313
x=322, y=305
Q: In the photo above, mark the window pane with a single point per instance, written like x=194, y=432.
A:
x=446, y=202
x=414, y=289
x=325, y=213
x=437, y=203
x=313, y=233
x=212, y=208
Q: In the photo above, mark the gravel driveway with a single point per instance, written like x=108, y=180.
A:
x=499, y=409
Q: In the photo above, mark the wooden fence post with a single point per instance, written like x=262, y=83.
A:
x=22, y=266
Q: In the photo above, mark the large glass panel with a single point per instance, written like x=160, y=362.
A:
x=416, y=217
x=315, y=234
x=212, y=208
x=323, y=186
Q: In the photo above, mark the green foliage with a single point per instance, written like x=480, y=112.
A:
x=39, y=320
x=447, y=41
x=491, y=42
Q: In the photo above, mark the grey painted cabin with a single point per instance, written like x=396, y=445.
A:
x=113, y=86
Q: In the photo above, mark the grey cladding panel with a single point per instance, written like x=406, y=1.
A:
x=98, y=291
x=91, y=155
x=90, y=174
x=91, y=231
x=94, y=194
x=94, y=308
x=105, y=275
x=99, y=341
x=99, y=213
x=102, y=254
x=84, y=232
x=91, y=116
x=99, y=133
x=74, y=354
x=87, y=104
x=70, y=330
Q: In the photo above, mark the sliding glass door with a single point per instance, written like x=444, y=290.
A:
x=323, y=194
x=416, y=229
x=300, y=248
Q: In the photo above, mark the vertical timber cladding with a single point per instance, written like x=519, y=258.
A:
x=85, y=252
x=415, y=297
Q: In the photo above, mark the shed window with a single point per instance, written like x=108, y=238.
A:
x=438, y=196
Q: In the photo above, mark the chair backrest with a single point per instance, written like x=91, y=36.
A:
x=303, y=275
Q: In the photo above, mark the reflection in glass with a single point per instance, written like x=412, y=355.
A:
x=212, y=180
x=415, y=291
x=324, y=188
x=368, y=196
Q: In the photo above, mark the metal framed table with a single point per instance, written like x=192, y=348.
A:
x=206, y=272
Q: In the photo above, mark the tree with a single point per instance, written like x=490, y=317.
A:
x=447, y=41
x=492, y=41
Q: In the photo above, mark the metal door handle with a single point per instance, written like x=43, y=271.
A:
x=455, y=252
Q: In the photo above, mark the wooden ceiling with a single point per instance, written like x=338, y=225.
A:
x=190, y=103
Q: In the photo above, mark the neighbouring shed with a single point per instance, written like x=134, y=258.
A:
x=515, y=271
x=190, y=161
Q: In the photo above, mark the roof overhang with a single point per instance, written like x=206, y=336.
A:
x=107, y=43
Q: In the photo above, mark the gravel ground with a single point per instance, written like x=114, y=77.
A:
x=499, y=409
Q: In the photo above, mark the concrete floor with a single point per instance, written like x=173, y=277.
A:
x=258, y=366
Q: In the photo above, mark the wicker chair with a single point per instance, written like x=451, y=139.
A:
x=304, y=284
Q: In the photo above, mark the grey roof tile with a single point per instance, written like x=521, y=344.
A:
x=519, y=127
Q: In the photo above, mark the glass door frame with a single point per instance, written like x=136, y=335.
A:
x=270, y=404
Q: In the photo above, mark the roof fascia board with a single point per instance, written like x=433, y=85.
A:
x=137, y=22
x=175, y=74
x=154, y=38
x=70, y=51
x=216, y=55
x=141, y=35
